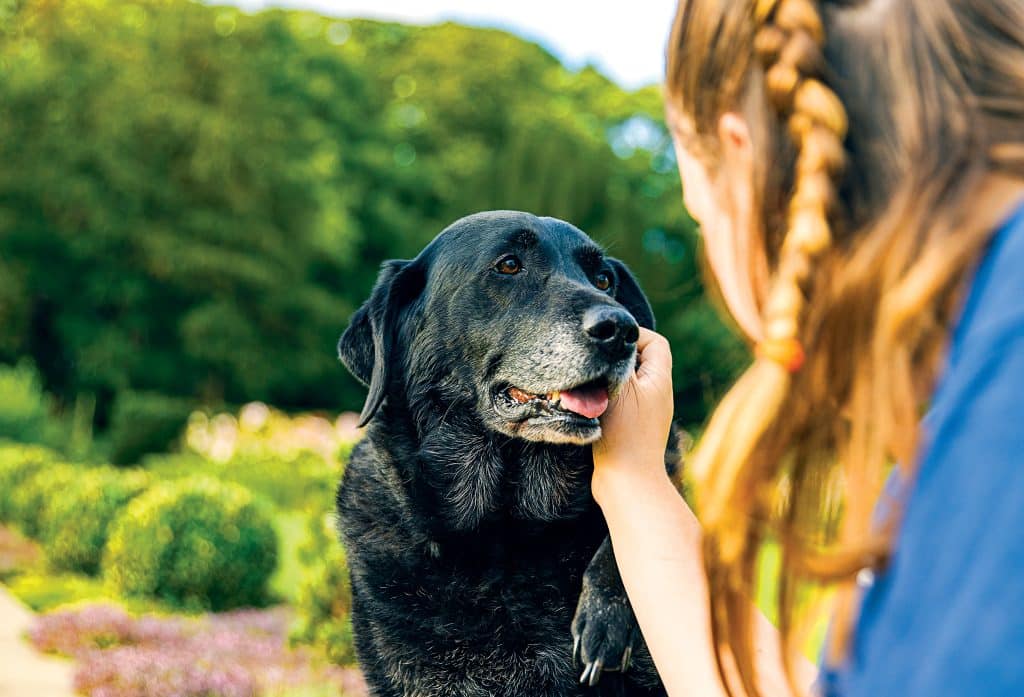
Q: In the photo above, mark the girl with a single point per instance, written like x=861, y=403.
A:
x=858, y=172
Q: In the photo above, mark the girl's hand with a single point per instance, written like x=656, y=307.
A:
x=635, y=428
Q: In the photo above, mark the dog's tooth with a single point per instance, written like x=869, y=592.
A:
x=555, y=396
x=519, y=395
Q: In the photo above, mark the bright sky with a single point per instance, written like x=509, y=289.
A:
x=626, y=41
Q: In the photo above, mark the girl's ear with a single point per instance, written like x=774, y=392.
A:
x=734, y=133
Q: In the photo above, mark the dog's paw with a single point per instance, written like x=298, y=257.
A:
x=604, y=632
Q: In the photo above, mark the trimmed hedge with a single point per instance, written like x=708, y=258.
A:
x=291, y=482
x=17, y=464
x=324, y=606
x=31, y=501
x=76, y=526
x=196, y=543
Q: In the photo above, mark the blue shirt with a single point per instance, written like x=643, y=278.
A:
x=947, y=615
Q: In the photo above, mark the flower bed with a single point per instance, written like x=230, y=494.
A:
x=238, y=654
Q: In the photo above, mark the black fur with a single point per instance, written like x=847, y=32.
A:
x=467, y=518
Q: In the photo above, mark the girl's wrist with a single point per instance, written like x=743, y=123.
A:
x=648, y=499
x=629, y=482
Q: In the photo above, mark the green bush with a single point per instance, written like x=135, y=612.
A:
x=76, y=525
x=195, y=543
x=292, y=482
x=31, y=501
x=25, y=410
x=18, y=463
x=323, y=609
x=143, y=423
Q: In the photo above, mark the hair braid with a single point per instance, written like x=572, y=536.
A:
x=788, y=41
x=867, y=269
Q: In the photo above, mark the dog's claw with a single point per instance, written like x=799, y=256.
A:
x=592, y=673
x=604, y=632
x=604, y=629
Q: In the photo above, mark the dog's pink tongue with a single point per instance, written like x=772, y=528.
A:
x=590, y=403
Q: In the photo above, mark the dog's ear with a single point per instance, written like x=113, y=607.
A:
x=366, y=345
x=629, y=295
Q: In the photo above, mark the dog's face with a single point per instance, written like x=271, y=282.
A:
x=524, y=317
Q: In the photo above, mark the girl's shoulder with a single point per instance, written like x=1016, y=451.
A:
x=995, y=303
x=945, y=617
x=984, y=358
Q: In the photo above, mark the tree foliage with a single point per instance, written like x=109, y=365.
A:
x=194, y=199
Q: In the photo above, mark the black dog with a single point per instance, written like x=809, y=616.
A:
x=472, y=537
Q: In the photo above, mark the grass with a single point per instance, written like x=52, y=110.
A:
x=43, y=591
x=292, y=532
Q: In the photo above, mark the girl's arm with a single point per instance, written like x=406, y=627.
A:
x=657, y=542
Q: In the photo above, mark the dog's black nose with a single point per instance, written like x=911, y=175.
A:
x=612, y=329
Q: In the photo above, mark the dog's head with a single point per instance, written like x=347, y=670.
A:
x=524, y=318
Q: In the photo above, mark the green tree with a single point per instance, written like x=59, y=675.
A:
x=195, y=199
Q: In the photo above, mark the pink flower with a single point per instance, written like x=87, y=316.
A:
x=236, y=654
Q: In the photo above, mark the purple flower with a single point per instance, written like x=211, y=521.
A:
x=132, y=671
x=236, y=654
x=72, y=632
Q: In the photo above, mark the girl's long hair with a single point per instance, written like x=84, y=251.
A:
x=875, y=123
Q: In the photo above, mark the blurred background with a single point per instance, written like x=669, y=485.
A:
x=194, y=198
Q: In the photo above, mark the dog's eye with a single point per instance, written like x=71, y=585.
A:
x=509, y=265
x=603, y=281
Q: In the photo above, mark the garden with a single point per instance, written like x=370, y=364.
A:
x=193, y=202
x=211, y=570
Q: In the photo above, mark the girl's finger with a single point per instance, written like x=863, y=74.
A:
x=654, y=353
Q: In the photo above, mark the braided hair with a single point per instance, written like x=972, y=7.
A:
x=788, y=43
x=869, y=245
x=790, y=49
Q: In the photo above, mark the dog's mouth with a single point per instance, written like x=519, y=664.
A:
x=568, y=415
x=588, y=401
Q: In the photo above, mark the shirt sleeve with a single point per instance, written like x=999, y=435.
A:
x=947, y=616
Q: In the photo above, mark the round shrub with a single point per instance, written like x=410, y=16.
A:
x=31, y=500
x=196, y=542
x=324, y=605
x=18, y=463
x=75, y=528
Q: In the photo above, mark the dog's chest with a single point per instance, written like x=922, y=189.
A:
x=500, y=581
x=499, y=626
x=479, y=611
